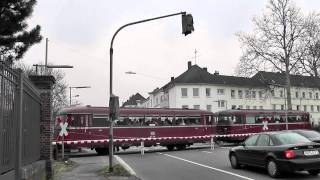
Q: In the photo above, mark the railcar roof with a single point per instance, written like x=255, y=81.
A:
x=105, y=110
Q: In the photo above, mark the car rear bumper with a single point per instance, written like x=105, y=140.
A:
x=299, y=164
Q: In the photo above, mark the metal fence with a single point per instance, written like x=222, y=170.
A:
x=19, y=120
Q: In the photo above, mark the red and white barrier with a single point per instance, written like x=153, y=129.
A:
x=122, y=140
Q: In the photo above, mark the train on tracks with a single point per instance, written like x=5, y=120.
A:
x=88, y=126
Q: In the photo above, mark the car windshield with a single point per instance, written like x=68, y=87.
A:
x=310, y=134
x=291, y=138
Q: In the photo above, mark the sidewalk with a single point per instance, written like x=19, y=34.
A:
x=87, y=169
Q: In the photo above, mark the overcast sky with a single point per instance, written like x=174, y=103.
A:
x=80, y=31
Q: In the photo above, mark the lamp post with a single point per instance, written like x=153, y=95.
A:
x=76, y=87
x=272, y=86
x=187, y=28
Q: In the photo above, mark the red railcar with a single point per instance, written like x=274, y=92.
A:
x=246, y=121
x=89, y=127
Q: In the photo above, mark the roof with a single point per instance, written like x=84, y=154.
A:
x=280, y=79
x=133, y=100
x=198, y=75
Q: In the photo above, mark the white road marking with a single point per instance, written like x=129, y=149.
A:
x=209, y=167
x=125, y=165
x=207, y=152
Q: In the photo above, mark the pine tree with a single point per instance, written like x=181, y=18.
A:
x=15, y=36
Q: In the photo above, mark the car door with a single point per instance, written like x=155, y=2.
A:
x=260, y=151
x=244, y=154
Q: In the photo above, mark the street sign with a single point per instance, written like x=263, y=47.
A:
x=63, y=131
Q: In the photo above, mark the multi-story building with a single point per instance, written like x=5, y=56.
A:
x=196, y=88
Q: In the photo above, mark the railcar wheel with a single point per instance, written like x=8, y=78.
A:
x=181, y=147
x=102, y=151
x=170, y=147
x=314, y=172
x=234, y=161
x=273, y=169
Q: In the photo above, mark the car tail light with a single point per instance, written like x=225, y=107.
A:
x=289, y=154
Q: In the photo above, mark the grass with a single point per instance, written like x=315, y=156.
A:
x=118, y=170
x=59, y=167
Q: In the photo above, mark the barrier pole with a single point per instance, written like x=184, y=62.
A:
x=212, y=143
x=62, y=147
x=142, y=148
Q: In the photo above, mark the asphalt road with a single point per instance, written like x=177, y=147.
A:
x=194, y=164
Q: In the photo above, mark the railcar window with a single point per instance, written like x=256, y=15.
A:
x=230, y=119
x=250, y=119
x=262, y=118
x=80, y=120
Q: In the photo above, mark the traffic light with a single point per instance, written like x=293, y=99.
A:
x=187, y=24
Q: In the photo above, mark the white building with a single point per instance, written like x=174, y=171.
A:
x=196, y=88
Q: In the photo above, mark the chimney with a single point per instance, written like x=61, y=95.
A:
x=216, y=73
x=206, y=69
x=172, y=78
x=189, y=64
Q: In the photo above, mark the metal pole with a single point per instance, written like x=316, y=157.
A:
x=19, y=129
x=286, y=109
x=111, y=72
x=62, y=147
x=46, y=60
x=70, y=96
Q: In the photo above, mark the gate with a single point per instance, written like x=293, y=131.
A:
x=19, y=120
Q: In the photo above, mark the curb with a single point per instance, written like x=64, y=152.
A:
x=125, y=165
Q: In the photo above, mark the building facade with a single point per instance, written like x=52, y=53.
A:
x=196, y=88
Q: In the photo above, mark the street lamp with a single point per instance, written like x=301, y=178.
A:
x=273, y=86
x=76, y=87
x=187, y=28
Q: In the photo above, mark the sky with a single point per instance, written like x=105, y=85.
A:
x=80, y=31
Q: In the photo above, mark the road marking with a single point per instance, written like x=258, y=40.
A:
x=207, y=152
x=125, y=165
x=209, y=167
x=226, y=147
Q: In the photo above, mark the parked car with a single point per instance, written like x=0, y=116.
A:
x=310, y=134
x=278, y=152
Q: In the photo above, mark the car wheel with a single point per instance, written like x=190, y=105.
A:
x=234, y=161
x=273, y=169
x=314, y=172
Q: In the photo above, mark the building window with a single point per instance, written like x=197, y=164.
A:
x=254, y=107
x=272, y=93
x=310, y=95
x=318, y=108
x=298, y=107
x=297, y=94
x=247, y=94
x=240, y=106
x=221, y=103
x=282, y=107
x=196, y=106
x=274, y=106
x=184, y=92
x=208, y=92
x=260, y=94
x=260, y=107
x=305, y=107
x=303, y=95
x=220, y=91
x=253, y=94
x=233, y=93
x=311, y=107
x=317, y=95
x=240, y=94
x=247, y=107
x=185, y=106
x=195, y=92
x=281, y=93
x=209, y=107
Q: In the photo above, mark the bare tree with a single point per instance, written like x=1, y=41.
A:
x=275, y=43
x=59, y=93
x=310, y=63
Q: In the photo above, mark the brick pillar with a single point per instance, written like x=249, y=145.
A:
x=44, y=84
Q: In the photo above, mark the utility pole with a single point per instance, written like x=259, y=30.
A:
x=46, y=58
